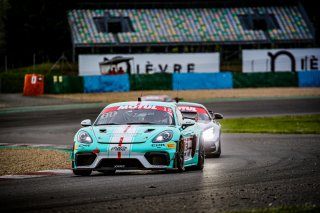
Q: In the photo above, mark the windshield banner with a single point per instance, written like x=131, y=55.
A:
x=192, y=109
x=138, y=107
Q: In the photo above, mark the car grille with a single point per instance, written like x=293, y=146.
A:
x=120, y=164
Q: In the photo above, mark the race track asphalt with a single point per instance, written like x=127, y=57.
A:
x=254, y=171
x=59, y=126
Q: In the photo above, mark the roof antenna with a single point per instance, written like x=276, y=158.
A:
x=177, y=98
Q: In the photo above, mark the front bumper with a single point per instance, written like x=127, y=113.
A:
x=140, y=156
x=211, y=147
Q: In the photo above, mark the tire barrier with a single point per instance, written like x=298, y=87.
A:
x=157, y=81
x=309, y=79
x=266, y=79
x=109, y=83
x=190, y=81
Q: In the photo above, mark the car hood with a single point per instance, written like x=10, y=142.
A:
x=126, y=133
x=205, y=126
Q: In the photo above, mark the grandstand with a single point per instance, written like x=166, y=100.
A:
x=191, y=25
x=128, y=25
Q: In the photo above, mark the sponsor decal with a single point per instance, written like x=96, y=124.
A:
x=158, y=145
x=139, y=106
x=277, y=60
x=76, y=146
x=171, y=145
x=192, y=109
x=119, y=148
x=149, y=63
x=188, y=109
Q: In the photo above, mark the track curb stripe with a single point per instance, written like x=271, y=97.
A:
x=37, y=174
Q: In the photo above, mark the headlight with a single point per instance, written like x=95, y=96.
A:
x=208, y=135
x=84, y=137
x=163, y=137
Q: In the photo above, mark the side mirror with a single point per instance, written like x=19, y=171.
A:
x=217, y=116
x=86, y=122
x=187, y=122
x=211, y=113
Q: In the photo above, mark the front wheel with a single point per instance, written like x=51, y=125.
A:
x=180, y=157
x=201, y=156
x=218, y=153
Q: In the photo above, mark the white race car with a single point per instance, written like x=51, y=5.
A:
x=162, y=98
x=208, y=121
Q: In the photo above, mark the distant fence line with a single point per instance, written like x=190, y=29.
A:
x=186, y=81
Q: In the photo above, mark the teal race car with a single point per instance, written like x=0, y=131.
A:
x=138, y=135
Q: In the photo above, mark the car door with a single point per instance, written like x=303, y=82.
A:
x=189, y=133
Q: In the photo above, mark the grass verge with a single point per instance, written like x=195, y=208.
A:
x=306, y=124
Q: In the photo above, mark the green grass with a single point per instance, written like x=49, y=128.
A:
x=306, y=124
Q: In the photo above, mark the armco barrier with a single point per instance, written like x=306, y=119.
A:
x=157, y=81
x=106, y=83
x=265, y=79
x=309, y=79
x=189, y=81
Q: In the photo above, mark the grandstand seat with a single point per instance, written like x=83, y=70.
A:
x=189, y=25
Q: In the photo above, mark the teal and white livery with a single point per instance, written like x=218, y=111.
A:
x=138, y=135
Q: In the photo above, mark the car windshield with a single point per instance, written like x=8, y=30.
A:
x=136, y=116
x=193, y=112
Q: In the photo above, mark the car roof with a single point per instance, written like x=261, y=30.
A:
x=150, y=103
x=156, y=97
x=190, y=104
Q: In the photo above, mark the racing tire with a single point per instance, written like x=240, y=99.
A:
x=201, y=156
x=180, y=157
x=218, y=153
x=82, y=172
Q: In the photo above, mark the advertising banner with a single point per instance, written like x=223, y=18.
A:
x=148, y=63
x=281, y=60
